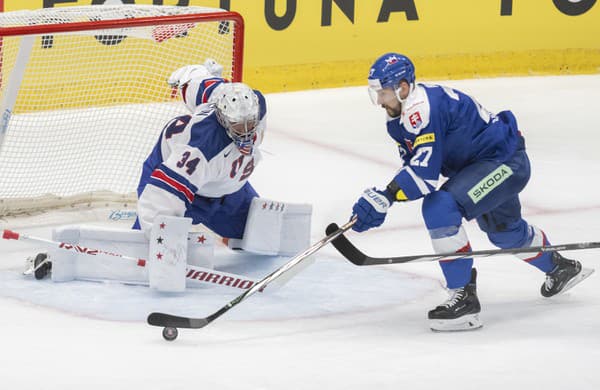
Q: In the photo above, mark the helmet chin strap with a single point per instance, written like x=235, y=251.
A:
x=411, y=88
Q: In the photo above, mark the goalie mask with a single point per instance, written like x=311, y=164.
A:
x=237, y=110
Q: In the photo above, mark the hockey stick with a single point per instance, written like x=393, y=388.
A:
x=172, y=322
x=357, y=257
x=194, y=274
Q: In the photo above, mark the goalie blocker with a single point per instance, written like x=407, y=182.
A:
x=275, y=228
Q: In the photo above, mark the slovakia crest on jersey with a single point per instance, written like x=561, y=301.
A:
x=415, y=120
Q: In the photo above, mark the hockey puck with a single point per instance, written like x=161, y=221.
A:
x=169, y=333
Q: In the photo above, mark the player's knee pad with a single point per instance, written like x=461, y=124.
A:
x=275, y=228
x=439, y=209
x=444, y=222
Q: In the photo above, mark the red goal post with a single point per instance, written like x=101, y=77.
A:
x=83, y=95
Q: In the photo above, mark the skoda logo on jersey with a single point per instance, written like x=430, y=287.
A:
x=490, y=182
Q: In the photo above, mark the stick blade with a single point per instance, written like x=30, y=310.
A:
x=345, y=247
x=171, y=321
x=332, y=227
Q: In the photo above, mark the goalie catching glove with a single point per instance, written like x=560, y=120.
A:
x=193, y=81
x=187, y=73
x=371, y=209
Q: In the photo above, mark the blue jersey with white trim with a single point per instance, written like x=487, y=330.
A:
x=442, y=130
x=193, y=157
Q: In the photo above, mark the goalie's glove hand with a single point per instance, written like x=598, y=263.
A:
x=214, y=68
x=371, y=209
x=185, y=74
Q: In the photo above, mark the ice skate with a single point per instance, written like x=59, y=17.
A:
x=566, y=274
x=39, y=266
x=460, y=312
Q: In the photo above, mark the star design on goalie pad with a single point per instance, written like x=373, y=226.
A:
x=201, y=239
x=273, y=206
x=159, y=256
x=162, y=225
x=159, y=240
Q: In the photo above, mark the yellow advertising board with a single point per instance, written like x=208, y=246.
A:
x=302, y=44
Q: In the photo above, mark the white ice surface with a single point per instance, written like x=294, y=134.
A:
x=336, y=326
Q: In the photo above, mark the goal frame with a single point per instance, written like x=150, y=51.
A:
x=238, y=40
x=45, y=201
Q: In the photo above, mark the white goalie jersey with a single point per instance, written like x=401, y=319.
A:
x=195, y=157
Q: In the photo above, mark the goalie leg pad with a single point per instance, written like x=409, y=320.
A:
x=201, y=249
x=85, y=260
x=276, y=228
x=168, y=253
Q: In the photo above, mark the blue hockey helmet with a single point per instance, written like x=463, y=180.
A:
x=389, y=69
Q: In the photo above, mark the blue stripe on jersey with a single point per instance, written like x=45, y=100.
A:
x=155, y=158
x=174, y=183
x=179, y=178
x=206, y=88
x=166, y=187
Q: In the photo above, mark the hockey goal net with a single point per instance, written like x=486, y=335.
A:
x=83, y=95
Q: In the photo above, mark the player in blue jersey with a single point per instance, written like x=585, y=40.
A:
x=444, y=133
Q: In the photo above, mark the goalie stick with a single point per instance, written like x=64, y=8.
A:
x=357, y=257
x=172, y=322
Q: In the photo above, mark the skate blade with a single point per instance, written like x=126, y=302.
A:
x=464, y=323
x=29, y=268
x=581, y=276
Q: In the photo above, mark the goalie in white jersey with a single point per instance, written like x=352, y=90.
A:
x=201, y=164
x=198, y=170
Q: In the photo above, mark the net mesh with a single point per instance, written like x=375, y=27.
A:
x=88, y=106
